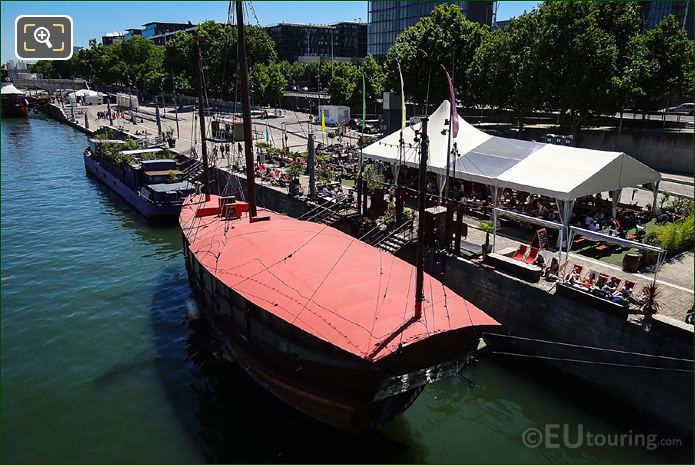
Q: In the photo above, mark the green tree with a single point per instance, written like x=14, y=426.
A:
x=504, y=70
x=623, y=22
x=669, y=65
x=292, y=72
x=374, y=82
x=142, y=62
x=579, y=61
x=341, y=86
x=445, y=37
x=218, y=45
x=45, y=67
x=267, y=82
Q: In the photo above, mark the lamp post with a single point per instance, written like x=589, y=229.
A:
x=130, y=100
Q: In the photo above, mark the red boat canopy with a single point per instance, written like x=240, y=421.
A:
x=323, y=281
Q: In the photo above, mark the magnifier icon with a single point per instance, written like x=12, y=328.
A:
x=43, y=36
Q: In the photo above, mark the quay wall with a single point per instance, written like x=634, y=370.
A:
x=671, y=152
x=54, y=111
x=531, y=312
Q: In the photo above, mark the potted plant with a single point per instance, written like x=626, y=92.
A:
x=488, y=228
x=651, y=304
x=171, y=140
x=373, y=179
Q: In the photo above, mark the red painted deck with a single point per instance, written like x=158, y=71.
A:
x=323, y=281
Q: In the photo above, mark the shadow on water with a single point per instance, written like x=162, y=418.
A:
x=227, y=415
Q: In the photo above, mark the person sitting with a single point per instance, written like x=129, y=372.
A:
x=600, y=282
x=539, y=261
x=622, y=296
x=575, y=277
x=588, y=282
x=594, y=227
x=642, y=298
x=611, y=286
x=552, y=269
x=325, y=192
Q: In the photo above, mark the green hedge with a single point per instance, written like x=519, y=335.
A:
x=673, y=236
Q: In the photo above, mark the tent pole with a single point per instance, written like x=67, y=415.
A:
x=494, y=218
x=655, y=191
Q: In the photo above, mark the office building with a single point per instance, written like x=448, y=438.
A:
x=158, y=32
x=389, y=18
x=346, y=41
x=130, y=33
x=113, y=38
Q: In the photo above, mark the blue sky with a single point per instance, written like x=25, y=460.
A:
x=94, y=19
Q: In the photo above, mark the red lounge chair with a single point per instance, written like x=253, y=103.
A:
x=602, y=280
x=519, y=255
x=531, y=255
x=577, y=268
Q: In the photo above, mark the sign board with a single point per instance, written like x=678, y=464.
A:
x=542, y=237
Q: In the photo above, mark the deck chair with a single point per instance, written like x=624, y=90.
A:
x=602, y=280
x=531, y=255
x=577, y=268
x=519, y=255
x=593, y=276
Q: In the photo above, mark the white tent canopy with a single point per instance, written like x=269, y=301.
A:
x=564, y=173
x=10, y=89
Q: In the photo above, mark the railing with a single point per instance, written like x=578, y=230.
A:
x=393, y=233
x=315, y=214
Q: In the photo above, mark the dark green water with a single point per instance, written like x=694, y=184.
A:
x=99, y=364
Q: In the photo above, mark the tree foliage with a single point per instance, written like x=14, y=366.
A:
x=445, y=37
x=268, y=82
x=582, y=59
x=668, y=64
x=504, y=72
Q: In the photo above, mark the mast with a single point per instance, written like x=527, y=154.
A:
x=422, y=181
x=201, y=115
x=246, y=109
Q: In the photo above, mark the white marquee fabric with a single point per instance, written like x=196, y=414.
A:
x=10, y=89
x=564, y=173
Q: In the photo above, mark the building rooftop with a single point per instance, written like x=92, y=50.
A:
x=316, y=25
x=164, y=22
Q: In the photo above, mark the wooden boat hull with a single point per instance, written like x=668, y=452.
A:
x=314, y=377
x=14, y=107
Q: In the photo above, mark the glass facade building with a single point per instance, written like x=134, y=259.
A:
x=654, y=12
x=346, y=40
x=389, y=18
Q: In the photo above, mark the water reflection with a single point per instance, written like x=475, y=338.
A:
x=227, y=415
